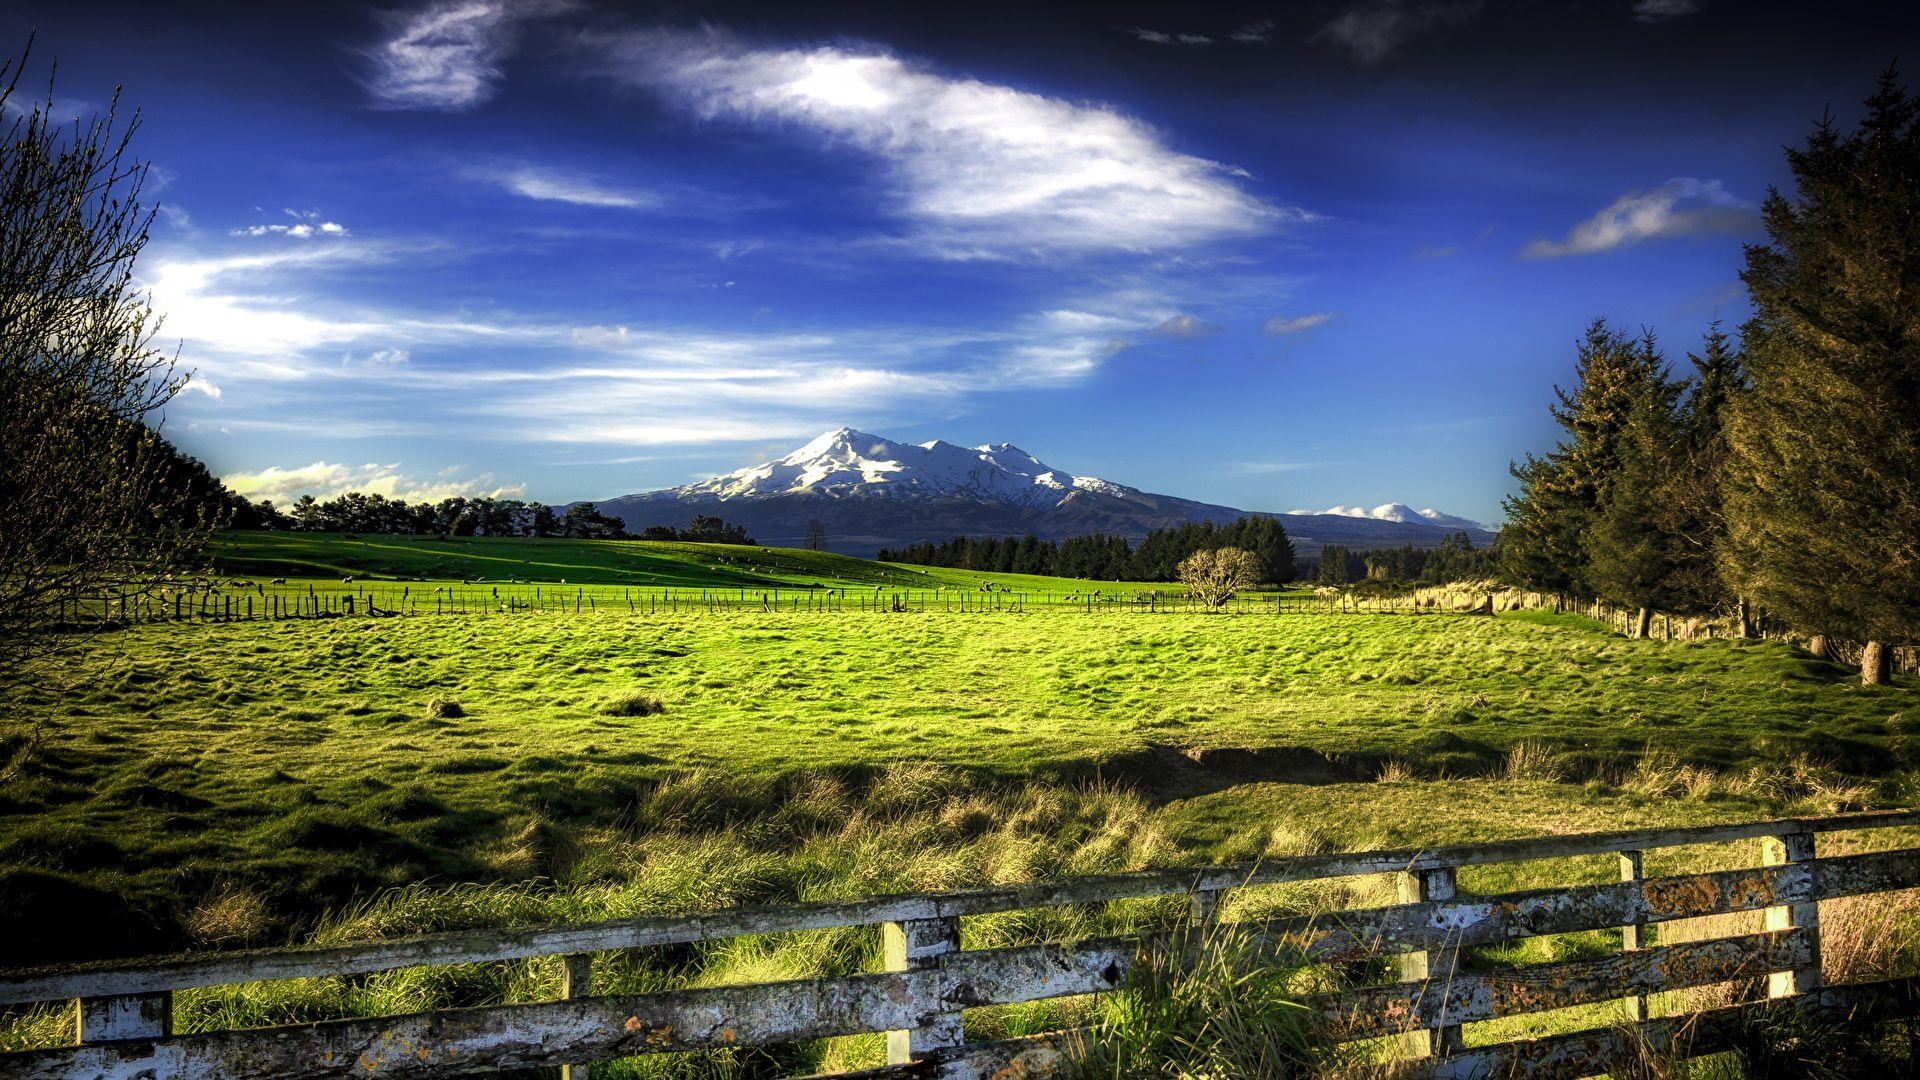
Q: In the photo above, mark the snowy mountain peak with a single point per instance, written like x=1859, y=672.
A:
x=845, y=463
x=1400, y=512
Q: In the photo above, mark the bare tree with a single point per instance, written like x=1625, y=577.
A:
x=86, y=509
x=816, y=535
x=1215, y=575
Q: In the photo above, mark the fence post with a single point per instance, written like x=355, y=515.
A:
x=1782, y=850
x=1435, y=967
x=1205, y=907
x=576, y=981
x=915, y=945
x=118, y=1019
x=1633, y=938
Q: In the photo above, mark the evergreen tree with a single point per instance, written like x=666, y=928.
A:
x=1633, y=549
x=1690, y=501
x=1550, y=520
x=1822, y=493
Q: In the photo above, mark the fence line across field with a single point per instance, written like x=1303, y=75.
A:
x=123, y=1011
x=253, y=602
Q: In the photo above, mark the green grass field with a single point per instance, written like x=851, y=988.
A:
x=325, y=558
x=213, y=785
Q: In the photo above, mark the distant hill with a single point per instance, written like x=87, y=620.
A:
x=870, y=492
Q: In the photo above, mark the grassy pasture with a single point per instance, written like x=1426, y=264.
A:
x=258, y=783
x=325, y=558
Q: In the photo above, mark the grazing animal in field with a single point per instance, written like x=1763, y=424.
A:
x=278, y=581
x=348, y=580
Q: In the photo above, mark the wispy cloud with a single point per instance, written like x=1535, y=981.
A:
x=1653, y=11
x=1294, y=324
x=1680, y=207
x=323, y=480
x=554, y=185
x=290, y=348
x=1254, y=33
x=1187, y=327
x=1371, y=32
x=980, y=168
x=446, y=56
x=1161, y=37
x=57, y=110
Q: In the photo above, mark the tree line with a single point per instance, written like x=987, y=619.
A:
x=1098, y=557
x=1780, y=477
x=363, y=512
x=1456, y=559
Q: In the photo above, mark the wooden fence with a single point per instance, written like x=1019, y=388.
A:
x=254, y=602
x=123, y=1010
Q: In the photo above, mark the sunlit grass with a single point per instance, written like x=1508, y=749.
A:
x=214, y=786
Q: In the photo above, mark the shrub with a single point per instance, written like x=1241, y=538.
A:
x=1216, y=575
x=444, y=709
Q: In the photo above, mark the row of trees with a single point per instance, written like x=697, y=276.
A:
x=1456, y=559
x=1157, y=557
x=361, y=512
x=704, y=529
x=1782, y=474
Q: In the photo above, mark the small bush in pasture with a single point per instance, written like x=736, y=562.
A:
x=632, y=703
x=230, y=916
x=445, y=709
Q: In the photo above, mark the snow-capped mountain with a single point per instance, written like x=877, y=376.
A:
x=850, y=464
x=1398, y=512
x=870, y=492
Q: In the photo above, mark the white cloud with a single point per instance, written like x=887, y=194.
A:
x=323, y=480
x=1679, y=207
x=1372, y=31
x=983, y=169
x=303, y=231
x=266, y=315
x=1188, y=327
x=1159, y=37
x=446, y=56
x=1256, y=33
x=1283, y=324
x=1653, y=11
x=551, y=185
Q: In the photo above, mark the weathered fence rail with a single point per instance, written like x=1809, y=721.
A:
x=123, y=1011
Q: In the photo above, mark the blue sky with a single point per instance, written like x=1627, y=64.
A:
x=1272, y=256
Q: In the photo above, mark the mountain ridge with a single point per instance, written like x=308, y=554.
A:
x=870, y=492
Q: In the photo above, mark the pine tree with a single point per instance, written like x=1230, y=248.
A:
x=1690, y=504
x=1550, y=520
x=1822, y=493
x=1633, y=545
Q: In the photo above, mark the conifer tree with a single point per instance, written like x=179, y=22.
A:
x=1822, y=493
x=1633, y=546
x=1550, y=521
